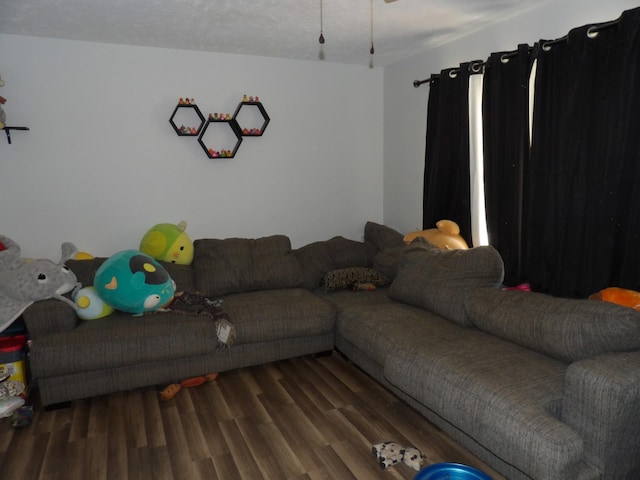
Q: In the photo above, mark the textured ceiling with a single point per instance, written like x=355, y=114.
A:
x=273, y=28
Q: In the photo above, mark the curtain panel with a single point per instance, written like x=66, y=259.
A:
x=584, y=173
x=505, y=109
x=446, y=174
x=561, y=205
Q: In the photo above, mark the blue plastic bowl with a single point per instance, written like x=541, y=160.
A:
x=451, y=471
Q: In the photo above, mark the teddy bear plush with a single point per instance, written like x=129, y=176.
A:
x=392, y=453
x=446, y=236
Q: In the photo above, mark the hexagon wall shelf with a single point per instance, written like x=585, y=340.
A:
x=220, y=135
x=190, y=119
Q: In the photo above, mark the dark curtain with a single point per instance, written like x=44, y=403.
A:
x=584, y=172
x=505, y=112
x=446, y=174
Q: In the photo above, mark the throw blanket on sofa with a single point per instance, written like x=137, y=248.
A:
x=197, y=304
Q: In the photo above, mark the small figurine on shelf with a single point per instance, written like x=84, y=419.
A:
x=210, y=116
x=257, y=99
x=181, y=101
x=227, y=117
x=244, y=98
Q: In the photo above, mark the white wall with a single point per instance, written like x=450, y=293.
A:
x=101, y=164
x=405, y=107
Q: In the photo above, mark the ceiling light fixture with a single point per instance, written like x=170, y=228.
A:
x=321, y=39
x=372, y=49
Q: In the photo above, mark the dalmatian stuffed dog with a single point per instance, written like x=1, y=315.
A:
x=392, y=453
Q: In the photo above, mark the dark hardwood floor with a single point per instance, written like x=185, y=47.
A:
x=306, y=419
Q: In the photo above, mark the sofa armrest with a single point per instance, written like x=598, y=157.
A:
x=602, y=402
x=49, y=316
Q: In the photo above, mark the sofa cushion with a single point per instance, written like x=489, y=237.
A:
x=122, y=340
x=85, y=270
x=274, y=315
x=318, y=258
x=567, y=329
x=236, y=265
x=500, y=394
x=389, y=244
x=441, y=280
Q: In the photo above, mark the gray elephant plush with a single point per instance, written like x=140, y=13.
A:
x=24, y=282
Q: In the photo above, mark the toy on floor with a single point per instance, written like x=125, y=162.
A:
x=392, y=453
x=619, y=296
x=133, y=282
x=172, y=390
x=22, y=283
x=22, y=416
x=446, y=236
x=168, y=243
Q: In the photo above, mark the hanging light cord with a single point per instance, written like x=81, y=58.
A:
x=372, y=50
x=321, y=39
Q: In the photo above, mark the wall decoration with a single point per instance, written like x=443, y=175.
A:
x=220, y=134
x=3, y=117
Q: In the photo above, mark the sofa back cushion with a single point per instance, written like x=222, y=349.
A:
x=318, y=258
x=440, y=280
x=389, y=244
x=235, y=265
x=567, y=329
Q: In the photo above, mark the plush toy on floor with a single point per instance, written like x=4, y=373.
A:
x=392, y=453
x=172, y=390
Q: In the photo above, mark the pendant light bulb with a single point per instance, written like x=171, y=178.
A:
x=371, y=51
x=321, y=38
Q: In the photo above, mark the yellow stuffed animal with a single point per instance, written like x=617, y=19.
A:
x=168, y=243
x=446, y=236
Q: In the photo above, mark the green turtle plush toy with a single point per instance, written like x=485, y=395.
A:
x=168, y=243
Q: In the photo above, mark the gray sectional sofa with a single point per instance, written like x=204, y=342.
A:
x=536, y=386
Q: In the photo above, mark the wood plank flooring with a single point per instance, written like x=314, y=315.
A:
x=308, y=418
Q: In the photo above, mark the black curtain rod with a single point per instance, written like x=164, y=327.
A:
x=475, y=67
x=592, y=32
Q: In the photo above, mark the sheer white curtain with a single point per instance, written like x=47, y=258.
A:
x=476, y=161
